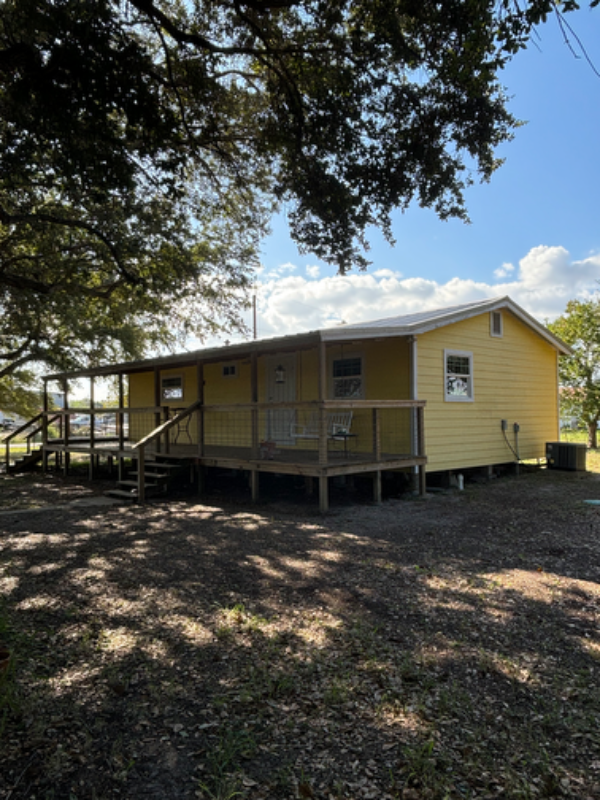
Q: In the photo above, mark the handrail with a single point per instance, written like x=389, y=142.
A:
x=165, y=426
x=156, y=434
x=7, y=440
x=327, y=405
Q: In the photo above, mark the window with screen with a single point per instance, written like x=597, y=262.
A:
x=347, y=378
x=458, y=375
x=171, y=388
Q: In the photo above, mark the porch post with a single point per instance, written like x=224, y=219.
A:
x=200, y=424
x=45, y=427
x=92, y=431
x=377, y=455
x=322, y=413
x=376, y=435
x=157, y=419
x=120, y=427
x=254, y=401
x=254, y=452
x=67, y=429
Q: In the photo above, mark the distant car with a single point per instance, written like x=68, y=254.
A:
x=8, y=424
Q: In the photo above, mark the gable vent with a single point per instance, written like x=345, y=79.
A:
x=496, y=323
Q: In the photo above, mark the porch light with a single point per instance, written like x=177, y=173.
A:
x=279, y=374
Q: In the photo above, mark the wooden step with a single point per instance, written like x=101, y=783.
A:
x=151, y=474
x=121, y=494
x=134, y=484
x=162, y=465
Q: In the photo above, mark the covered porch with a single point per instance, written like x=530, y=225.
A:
x=295, y=406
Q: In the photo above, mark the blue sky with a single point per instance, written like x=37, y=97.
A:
x=535, y=228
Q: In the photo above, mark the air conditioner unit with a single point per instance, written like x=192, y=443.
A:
x=566, y=455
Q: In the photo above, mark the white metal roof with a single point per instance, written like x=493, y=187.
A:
x=423, y=321
x=403, y=325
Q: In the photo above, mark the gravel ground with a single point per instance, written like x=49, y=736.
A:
x=445, y=647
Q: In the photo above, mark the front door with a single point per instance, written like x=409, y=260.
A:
x=281, y=388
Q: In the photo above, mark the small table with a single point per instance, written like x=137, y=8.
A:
x=183, y=427
x=345, y=437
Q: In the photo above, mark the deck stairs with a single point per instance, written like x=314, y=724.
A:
x=26, y=462
x=162, y=474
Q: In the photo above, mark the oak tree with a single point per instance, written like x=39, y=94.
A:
x=579, y=374
x=144, y=145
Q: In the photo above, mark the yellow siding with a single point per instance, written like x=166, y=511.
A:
x=514, y=378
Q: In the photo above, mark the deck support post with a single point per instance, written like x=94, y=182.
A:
x=254, y=484
x=201, y=478
x=323, y=494
x=421, y=449
x=422, y=481
x=377, y=487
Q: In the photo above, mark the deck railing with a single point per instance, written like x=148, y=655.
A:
x=320, y=431
x=312, y=437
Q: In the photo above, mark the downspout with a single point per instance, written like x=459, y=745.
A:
x=414, y=395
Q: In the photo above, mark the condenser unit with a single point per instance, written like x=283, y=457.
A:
x=566, y=455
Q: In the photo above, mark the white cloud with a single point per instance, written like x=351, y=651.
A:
x=313, y=271
x=544, y=282
x=504, y=271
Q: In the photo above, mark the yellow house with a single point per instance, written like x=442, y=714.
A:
x=471, y=386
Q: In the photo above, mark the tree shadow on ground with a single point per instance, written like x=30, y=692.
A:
x=446, y=648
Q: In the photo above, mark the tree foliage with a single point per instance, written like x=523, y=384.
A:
x=144, y=144
x=579, y=374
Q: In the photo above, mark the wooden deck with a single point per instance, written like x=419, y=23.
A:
x=341, y=460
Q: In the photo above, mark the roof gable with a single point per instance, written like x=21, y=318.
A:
x=424, y=321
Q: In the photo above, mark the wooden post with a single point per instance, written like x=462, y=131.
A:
x=201, y=485
x=254, y=400
x=200, y=411
x=45, y=428
x=167, y=434
x=322, y=412
x=157, y=399
x=377, y=487
x=376, y=434
x=92, y=428
x=254, y=484
x=121, y=427
x=421, y=449
x=67, y=429
x=141, y=474
x=323, y=494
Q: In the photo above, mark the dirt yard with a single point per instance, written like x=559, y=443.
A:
x=436, y=648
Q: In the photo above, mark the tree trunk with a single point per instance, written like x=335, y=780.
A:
x=592, y=434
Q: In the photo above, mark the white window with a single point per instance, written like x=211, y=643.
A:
x=458, y=366
x=171, y=388
x=229, y=370
x=347, y=378
x=496, y=328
